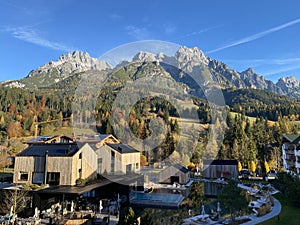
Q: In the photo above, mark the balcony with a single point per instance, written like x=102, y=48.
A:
x=290, y=158
x=297, y=152
x=287, y=147
x=290, y=163
x=289, y=152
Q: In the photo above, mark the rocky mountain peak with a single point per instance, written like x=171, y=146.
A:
x=191, y=54
x=249, y=71
x=185, y=62
x=189, y=58
x=145, y=56
x=289, y=85
x=290, y=81
x=72, y=62
x=76, y=55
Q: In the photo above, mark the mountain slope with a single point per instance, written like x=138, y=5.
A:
x=192, y=62
x=189, y=66
x=56, y=71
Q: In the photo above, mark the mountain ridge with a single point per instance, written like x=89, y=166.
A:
x=184, y=61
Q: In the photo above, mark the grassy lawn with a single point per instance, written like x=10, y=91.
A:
x=290, y=215
x=251, y=119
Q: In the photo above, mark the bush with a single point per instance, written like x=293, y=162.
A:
x=80, y=181
x=264, y=209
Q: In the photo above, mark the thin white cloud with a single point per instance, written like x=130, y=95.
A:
x=32, y=36
x=116, y=16
x=139, y=33
x=281, y=70
x=262, y=62
x=201, y=31
x=169, y=28
x=256, y=36
x=268, y=67
x=196, y=33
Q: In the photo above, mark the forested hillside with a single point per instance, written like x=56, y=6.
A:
x=259, y=103
x=50, y=108
x=153, y=96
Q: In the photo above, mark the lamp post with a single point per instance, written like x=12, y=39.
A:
x=218, y=209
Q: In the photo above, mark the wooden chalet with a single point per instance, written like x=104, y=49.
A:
x=220, y=169
x=174, y=174
x=117, y=159
x=55, y=164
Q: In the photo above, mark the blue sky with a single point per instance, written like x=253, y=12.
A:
x=264, y=35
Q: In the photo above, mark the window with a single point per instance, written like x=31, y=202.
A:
x=129, y=168
x=112, y=166
x=79, y=173
x=53, y=178
x=37, y=177
x=23, y=176
x=80, y=161
x=99, y=168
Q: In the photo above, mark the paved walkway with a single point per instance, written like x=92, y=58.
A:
x=275, y=212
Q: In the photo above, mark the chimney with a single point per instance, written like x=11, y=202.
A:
x=45, y=167
x=69, y=150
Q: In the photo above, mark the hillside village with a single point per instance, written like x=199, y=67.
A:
x=211, y=152
x=90, y=178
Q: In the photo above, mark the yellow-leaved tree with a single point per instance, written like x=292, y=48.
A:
x=253, y=167
x=267, y=168
x=239, y=166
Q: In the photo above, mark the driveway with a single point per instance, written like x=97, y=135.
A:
x=275, y=212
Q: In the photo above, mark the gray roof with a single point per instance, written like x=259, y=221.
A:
x=181, y=168
x=93, y=138
x=54, y=149
x=122, y=148
x=38, y=139
x=220, y=162
x=293, y=138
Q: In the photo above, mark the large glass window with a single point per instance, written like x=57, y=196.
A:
x=37, y=177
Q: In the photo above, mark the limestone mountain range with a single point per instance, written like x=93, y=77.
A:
x=185, y=61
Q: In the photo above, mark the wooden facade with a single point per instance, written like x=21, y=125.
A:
x=113, y=160
x=60, y=161
x=174, y=174
x=53, y=168
x=221, y=168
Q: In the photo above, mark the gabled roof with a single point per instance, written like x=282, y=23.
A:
x=38, y=139
x=53, y=149
x=122, y=148
x=292, y=138
x=61, y=139
x=99, y=139
x=181, y=168
x=51, y=139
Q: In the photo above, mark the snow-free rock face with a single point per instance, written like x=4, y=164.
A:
x=71, y=63
x=256, y=81
x=145, y=56
x=189, y=58
x=188, y=66
x=290, y=86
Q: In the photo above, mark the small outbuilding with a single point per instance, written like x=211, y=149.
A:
x=220, y=169
x=174, y=174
